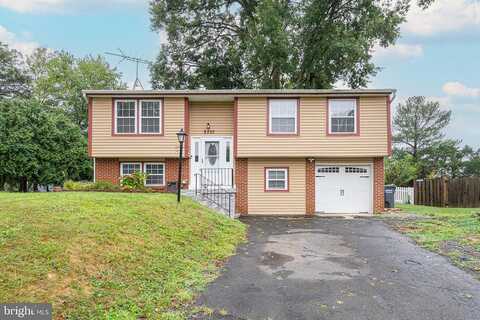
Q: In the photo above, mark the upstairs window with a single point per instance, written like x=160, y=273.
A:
x=150, y=116
x=125, y=116
x=342, y=116
x=276, y=179
x=282, y=116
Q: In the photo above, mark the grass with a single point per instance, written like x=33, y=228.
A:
x=110, y=255
x=454, y=232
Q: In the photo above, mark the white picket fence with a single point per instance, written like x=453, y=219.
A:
x=404, y=195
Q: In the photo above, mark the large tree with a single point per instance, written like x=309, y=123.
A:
x=14, y=80
x=272, y=43
x=59, y=79
x=418, y=125
x=40, y=145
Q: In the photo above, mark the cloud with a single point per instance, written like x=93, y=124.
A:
x=460, y=90
x=443, y=16
x=399, y=50
x=61, y=6
x=25, y=47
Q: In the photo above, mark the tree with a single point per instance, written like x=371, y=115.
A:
x=472, y=161
x=272, y=43
x=400, y=169
x=14, y=81
x=418, y=125
x=445, y=158
x=40, y=145
x=60, y=79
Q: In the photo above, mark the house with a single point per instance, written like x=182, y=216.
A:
x=282, y=151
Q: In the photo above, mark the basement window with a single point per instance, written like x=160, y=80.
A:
x=127, y=168
x=156, y=174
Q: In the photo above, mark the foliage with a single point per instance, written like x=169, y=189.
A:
x=59, y=79
x=39, y=145
x=110, y=255
x=272, y=43
x=445, y=158
x=14, y=81
x=134, y=181
x=400, y=169
x=450, y=231
x=71, y=185
x=472, y=161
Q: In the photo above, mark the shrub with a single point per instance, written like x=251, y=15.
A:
x=90, y=186
x=134, y=182
x=77, y=185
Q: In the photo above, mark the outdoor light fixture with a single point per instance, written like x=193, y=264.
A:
x=181, y=135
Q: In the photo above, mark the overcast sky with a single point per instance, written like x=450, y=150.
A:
x=437, y=56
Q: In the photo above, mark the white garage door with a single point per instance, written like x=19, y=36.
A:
x=343, y=189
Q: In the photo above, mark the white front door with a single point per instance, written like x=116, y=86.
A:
x=343, y=189
x=213, y=158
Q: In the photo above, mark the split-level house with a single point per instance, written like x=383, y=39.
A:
x=289, y=152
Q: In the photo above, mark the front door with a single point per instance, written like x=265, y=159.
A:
x=212, y=157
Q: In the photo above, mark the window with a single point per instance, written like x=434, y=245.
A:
x=328, y=170
x=355, y=170
x=129, y=168
x=342, y=114
x=150, y=116
x=283, y=116
x=276, y=179
x=197, y=146
x=125, y=116
x=156, y=174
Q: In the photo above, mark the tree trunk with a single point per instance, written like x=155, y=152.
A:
x=2, y=183
x=23, y=184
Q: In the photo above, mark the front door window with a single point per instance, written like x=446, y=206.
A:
x=211, y=150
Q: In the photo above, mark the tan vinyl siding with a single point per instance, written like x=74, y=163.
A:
x=344, y=161
x=219, y=114
x=106, y=145
x=313, y=140
x=262, y=202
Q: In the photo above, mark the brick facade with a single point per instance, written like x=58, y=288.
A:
x=310, y=187
x=109, y=170
x=378, y=185
x=241, y=182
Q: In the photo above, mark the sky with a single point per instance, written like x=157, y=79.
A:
x=437, y=56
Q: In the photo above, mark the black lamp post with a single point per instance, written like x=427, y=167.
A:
x=181, y=135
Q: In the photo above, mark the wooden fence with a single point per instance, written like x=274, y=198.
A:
x=442, y=192
x=404, y=195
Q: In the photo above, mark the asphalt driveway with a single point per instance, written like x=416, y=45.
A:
x=333, y=268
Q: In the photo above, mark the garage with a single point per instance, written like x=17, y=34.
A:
x=343, y=189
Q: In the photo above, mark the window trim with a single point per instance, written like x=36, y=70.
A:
x=114, y=117
x=140, y=118
x=164, y=174
x=137, y=117
x=265, y=178
x=356, y=121
x=297, y=122
x=121, y=167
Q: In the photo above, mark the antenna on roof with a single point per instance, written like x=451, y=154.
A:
x=137, y=84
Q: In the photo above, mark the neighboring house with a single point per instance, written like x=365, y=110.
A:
x=284, y=151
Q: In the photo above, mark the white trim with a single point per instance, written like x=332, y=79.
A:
x=121, y=167
x=115, y=115
x=145, y=171
x=270, y=131
x=355, y=109
x=160, y=116
x=267, y=179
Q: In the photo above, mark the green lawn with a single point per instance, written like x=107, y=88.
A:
x=454, y=232
x=110, y=255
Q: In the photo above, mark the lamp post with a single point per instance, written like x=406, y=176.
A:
x=181, y=139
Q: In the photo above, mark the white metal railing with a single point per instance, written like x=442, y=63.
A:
x=404, y=195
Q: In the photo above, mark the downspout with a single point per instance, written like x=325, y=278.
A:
x=94, y=165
